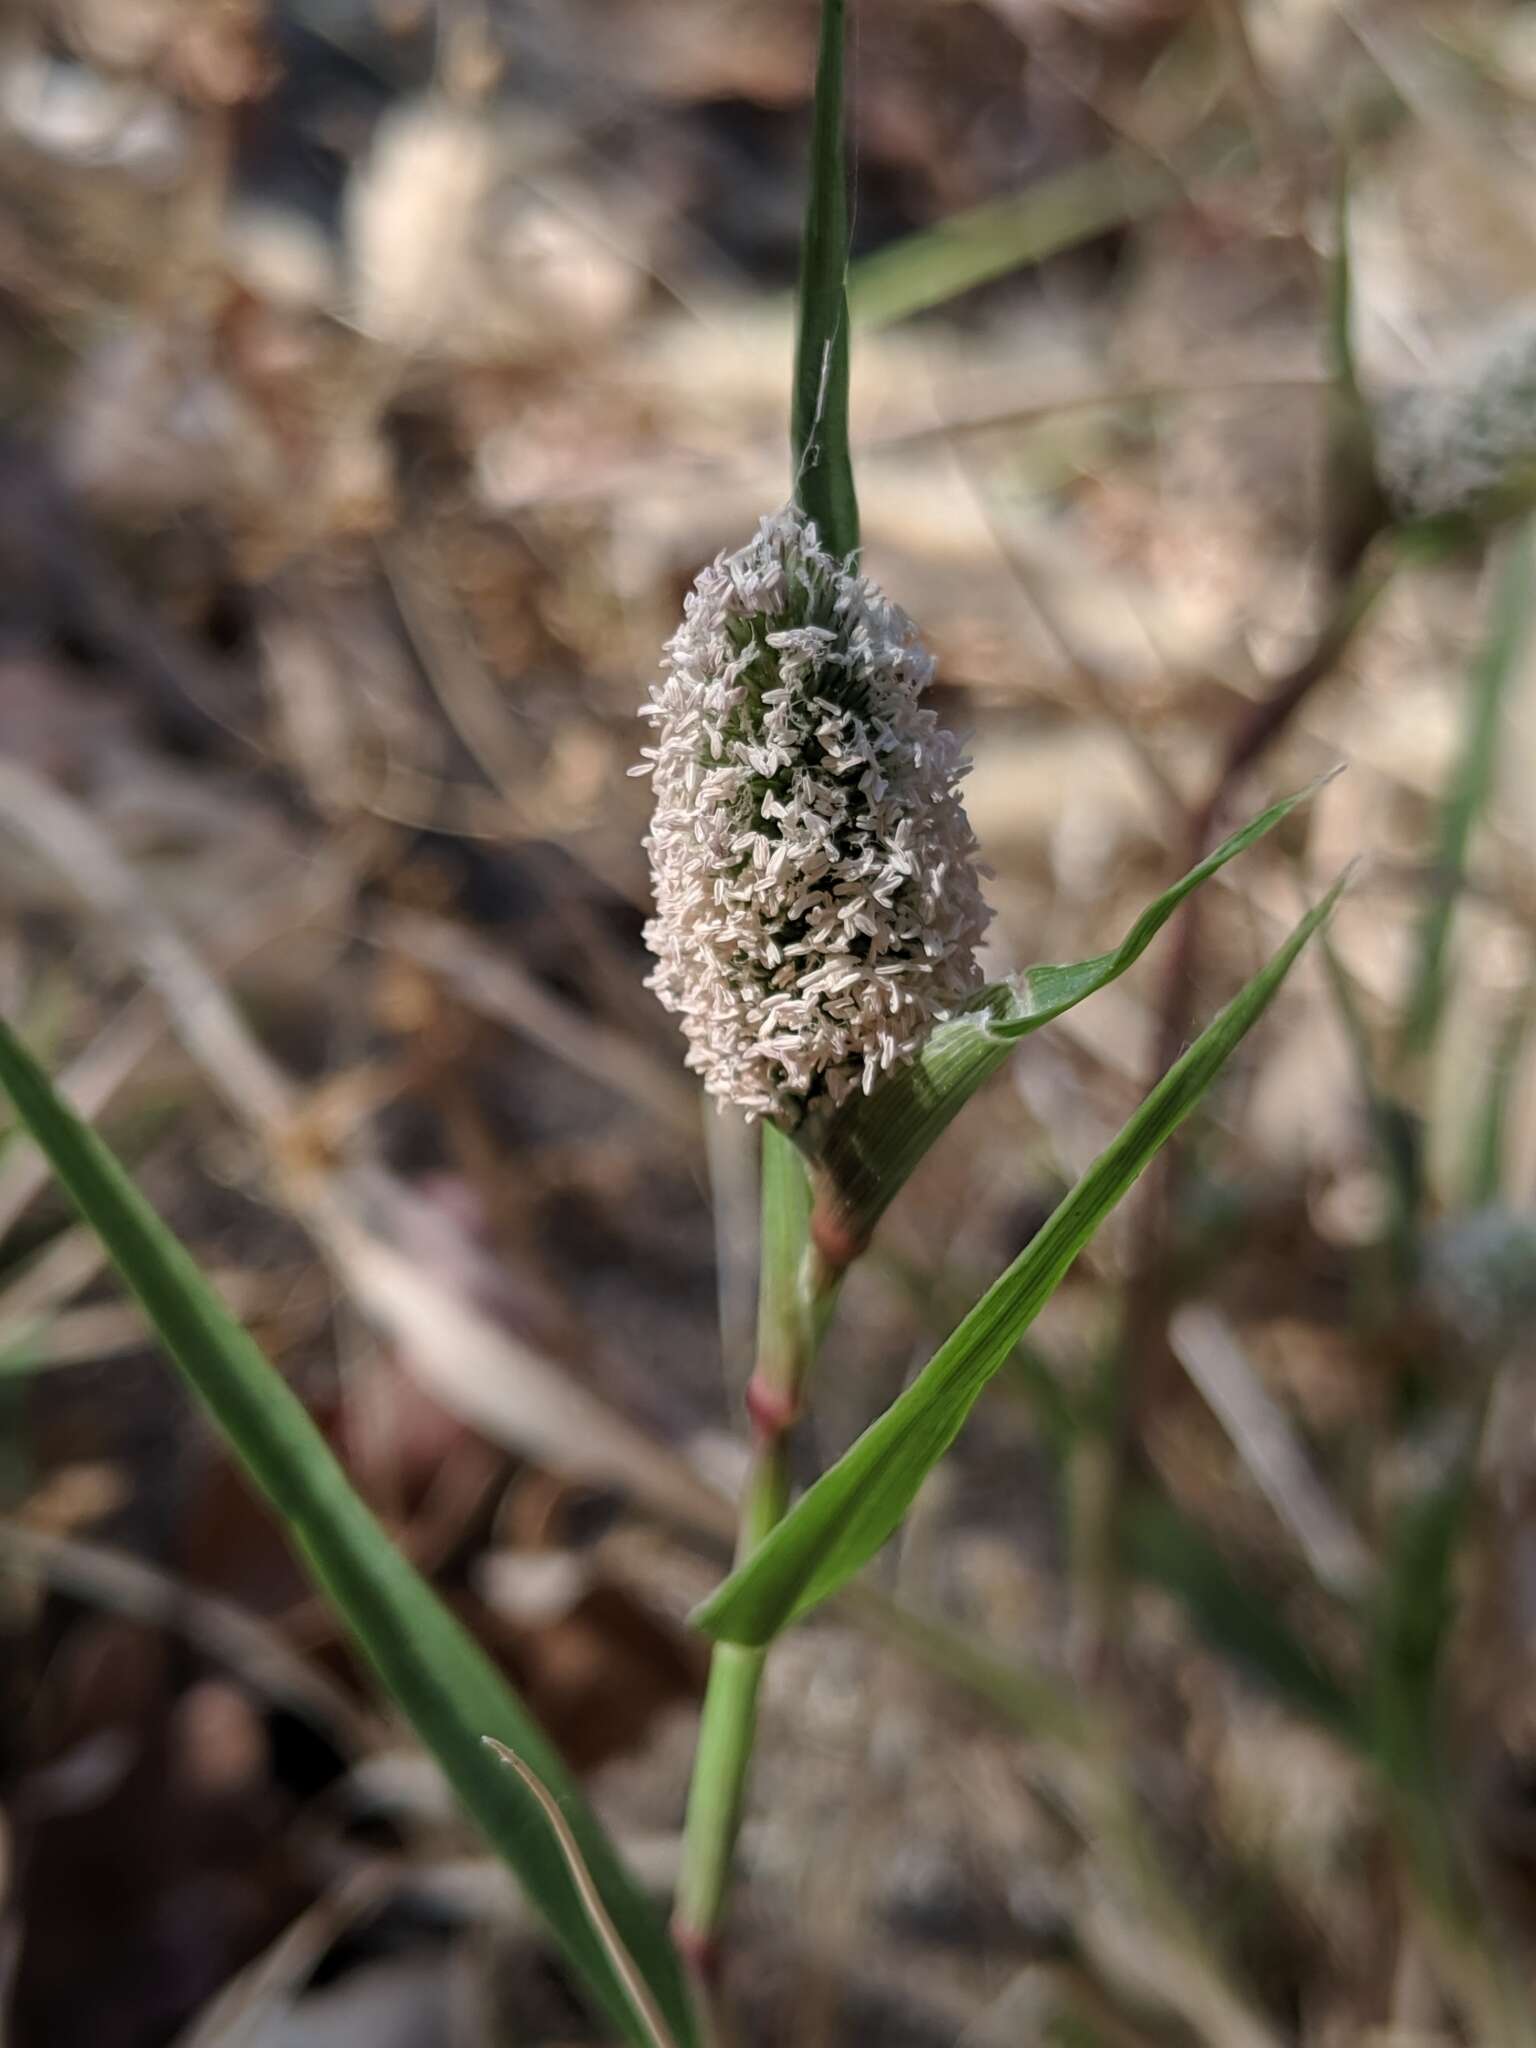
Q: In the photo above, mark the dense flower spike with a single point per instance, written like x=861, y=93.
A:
x=817, y=906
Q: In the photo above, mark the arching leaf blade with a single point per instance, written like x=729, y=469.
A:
x=853, y=1509
x=446, y=1685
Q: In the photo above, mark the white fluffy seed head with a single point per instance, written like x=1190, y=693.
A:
x=817, y=903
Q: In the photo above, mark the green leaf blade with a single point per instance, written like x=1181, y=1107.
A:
x=853, y=1509
x=1488, y=1163
x=444, y=1682
x=1470, y=784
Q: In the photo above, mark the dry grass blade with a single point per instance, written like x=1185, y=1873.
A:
x=438, y=1673
x=360, y=1214
x=497, y=987
x=93, y=1080
x=482, y=1371
x=1273, y=380
x=55, y=1276
x=1207, y=1347
x=88, y=1084
x=244, y=2011
x=102, y=1330
x=656, y=2027
x=205, y=1018
x=255, y=1652
x=1498, y=667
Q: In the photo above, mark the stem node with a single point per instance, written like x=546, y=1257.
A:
x=698, y=1951
x=772, y=1411
x=836, y=1242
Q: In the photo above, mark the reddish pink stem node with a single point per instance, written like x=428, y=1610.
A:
x=772, y=1412
x=837, y=1244
x=699, y=1953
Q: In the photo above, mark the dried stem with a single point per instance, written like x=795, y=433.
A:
x=1257, y=732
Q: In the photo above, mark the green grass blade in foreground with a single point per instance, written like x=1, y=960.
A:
x=442, y=1680
x=818, y=428
x=867, y=1148
x=1498, y=664
x=856, y=1505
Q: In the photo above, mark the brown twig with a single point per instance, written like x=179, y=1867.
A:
x=1365, y=580
x=242, y=1642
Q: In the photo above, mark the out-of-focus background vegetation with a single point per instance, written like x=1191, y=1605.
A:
x=374, y=377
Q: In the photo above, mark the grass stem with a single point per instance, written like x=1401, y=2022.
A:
x=801, y=1267
x=798, y=1288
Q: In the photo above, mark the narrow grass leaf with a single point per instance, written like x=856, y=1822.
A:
x=865, y=1150
x=819, y=402
x=1163, y=1547
x=1487, y=1165
x=1411, y=1626
x=442, y=1680
x=1062, y=212
x=1341, y=291
x=1356, y=509
x=1414, y=1613
x=859, y=1502
x=1514, y=607
x=1397, y=1131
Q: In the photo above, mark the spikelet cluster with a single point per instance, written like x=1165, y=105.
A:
x=817, y=901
